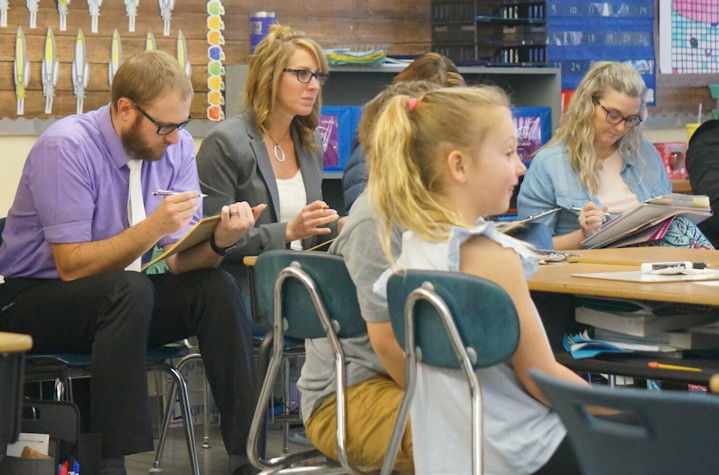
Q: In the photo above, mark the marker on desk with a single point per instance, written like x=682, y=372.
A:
x=651, y=267
x=170, y=193
x=654, y=364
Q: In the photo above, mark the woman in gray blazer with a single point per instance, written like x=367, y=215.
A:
x=271, y=153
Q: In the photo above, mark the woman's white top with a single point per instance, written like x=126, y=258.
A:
x=520, y=433
x=613, y=192
x=293, y=198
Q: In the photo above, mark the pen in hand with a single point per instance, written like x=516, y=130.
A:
x=170, y=193
x=579, y=210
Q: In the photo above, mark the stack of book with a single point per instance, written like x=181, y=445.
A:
x=647, y=326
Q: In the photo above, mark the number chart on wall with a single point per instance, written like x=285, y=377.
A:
x=689, y=36
x=580, y=33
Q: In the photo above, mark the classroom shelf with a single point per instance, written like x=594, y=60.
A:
x=356, y=85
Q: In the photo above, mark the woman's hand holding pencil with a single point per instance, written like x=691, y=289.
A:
x=590, y=217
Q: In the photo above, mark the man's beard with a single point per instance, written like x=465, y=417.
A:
x=136, y=147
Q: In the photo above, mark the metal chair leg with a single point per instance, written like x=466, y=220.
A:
x=285, y=405
x=206, y=416
x=178, y=383
x=187, y=418
x=163, y=430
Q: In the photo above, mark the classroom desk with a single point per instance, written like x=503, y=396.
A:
x=553, y=288
x=681, y=186
x=557, y=278
x=12, y=357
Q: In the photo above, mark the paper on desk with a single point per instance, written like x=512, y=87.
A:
x=638, y=276
x=37, y=442
x=714, y=283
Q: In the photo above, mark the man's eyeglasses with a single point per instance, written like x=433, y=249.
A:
x=163, y=129
x=614, y=118
x=305, y=75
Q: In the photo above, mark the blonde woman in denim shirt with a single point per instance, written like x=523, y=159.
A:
x=598, y=161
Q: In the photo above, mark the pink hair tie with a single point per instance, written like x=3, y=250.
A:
x=412, y=104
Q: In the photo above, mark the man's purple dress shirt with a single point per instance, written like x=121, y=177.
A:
x=74, y=188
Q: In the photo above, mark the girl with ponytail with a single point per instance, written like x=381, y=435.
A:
x=438, y=163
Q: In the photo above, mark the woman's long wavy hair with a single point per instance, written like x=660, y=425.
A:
x=405, y=153
x=265, y=71
x=575, y=127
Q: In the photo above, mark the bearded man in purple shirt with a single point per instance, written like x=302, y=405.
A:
x=68, y=242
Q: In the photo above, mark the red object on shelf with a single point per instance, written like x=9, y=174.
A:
x=566, y=95
x=673, y=155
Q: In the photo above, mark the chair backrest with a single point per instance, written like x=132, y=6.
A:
x=657, y=432
x=482, y=311
x=332, y=281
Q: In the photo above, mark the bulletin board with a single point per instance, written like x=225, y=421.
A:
x=582, y=32
x=689, y=36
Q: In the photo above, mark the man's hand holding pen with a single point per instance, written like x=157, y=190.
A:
x=175, y=211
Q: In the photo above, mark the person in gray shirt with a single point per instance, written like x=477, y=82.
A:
x=375, y=361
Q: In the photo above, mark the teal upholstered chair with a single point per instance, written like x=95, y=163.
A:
x=449, y=320
x=304, y=294
x=657, y=432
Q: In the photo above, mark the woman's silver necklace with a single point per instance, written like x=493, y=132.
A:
x=277, y=149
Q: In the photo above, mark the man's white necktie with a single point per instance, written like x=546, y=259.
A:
x=135, y=203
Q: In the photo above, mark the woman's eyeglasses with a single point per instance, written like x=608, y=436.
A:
x=305, y=75
x=614, y=118
x=163, y=129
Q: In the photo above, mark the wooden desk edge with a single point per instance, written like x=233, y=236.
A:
x=14, y=342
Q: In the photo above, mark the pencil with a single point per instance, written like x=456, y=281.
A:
x=597, y=260
x=579, y=210
x=654, y=364
x=170, y=193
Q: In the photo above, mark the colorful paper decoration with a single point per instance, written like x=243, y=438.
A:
x=215, y=55
x=150, y=42
x=80, y=70
x=131, y=10
x=49, y=70
x=3, y=13
x=94, y=8
x=182, y=58
x=21, y=70
x=32, y=6
x=166, y=7
x=115, y=56
x=62, y=13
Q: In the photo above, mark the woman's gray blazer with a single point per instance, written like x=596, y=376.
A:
x=233, y=166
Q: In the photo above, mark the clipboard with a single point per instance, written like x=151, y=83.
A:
x=508, y=227
x=200, y=232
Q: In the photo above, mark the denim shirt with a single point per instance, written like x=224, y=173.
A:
x=551, y=182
